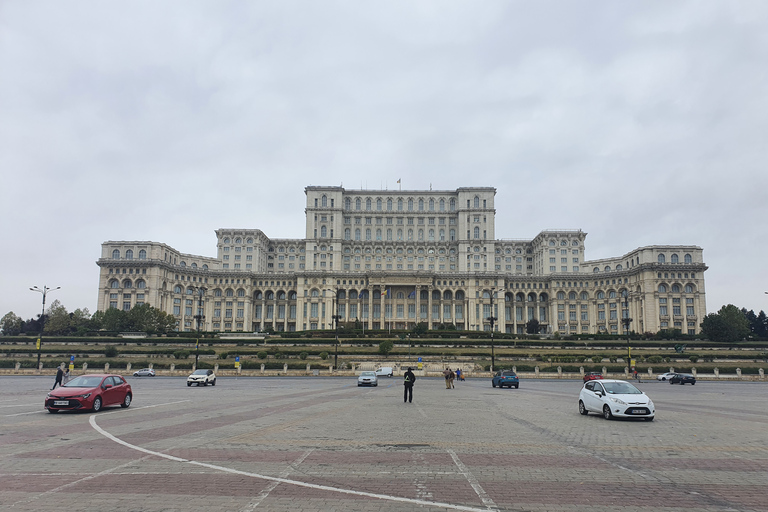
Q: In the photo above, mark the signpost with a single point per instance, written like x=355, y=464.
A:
x=71, y=363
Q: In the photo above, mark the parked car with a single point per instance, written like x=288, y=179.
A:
x=615, y=398
x=144, y=372
x=592, y=376
x=368, y=379
x=505, y=378
x=665, y=376
x=384, y=371
x=683, y=378
x=90, y=392
x=202, y=378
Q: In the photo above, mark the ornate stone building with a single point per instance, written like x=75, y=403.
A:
x=391, y=259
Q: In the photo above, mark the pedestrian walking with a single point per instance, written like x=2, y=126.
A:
x=59, y=376
x=451, y=378
x=458, y=374
x=66, y=376
x=447, y=375
x=408, y=379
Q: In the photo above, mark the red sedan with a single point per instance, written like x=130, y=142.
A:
x=592, y=376
x=90, y=392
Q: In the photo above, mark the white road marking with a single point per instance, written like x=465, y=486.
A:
x=23, y=413
x=19, y=405
x=412, y=501
x=487, y=501
x=263, y=494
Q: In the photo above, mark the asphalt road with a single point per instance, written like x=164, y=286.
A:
x=315, y=444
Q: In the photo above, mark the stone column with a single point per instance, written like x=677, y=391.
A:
x=626, y=372
x=650, y=373
x=559, y=372
x=18, y=365
x=762, y=373
x=128, y=367
x=308, y=365
x=694, y=372
x=173, y=367
x=717, y=372
x=216, y=368
x=106, y=367
x=285, y=367
x=85, y=366
x=537, y=371
x=581, y=371
x=262, y=367
x=738, y=372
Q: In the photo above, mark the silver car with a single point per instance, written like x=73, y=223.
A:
x=368, y=379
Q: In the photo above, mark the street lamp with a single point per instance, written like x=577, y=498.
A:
x=625, y=320
x=492, y=319
x=336, y=317
x=199, y=317
x=44, y=290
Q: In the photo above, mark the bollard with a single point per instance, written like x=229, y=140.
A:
x=537, y=371
x=262, y=367
x=559, y=371
x=216, y=368
x=650, y=373
x=738, y=372
x=330, y=369
x=285, y=367
x=762, y=373
x=626, y=372
x=173, y=367
x=308, y=365
x=694, y=372
x=106, y=367
x=18, y=365
x=128, y=367
x=85, y=367
x=717, y=372
x=581, y=371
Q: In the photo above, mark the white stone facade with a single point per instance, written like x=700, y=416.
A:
x=391, y=259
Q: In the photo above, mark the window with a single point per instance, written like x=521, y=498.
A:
x=116, y=254
x=662, y=288
x=688, y=259
x=661, y=258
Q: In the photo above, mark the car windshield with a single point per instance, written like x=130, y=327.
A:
x=368, y=374
x=508, y=374
x=83, y=382
x=200, y=372
x=621, y=388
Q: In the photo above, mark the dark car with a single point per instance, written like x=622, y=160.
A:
x=90, y=392
x=592, y=376
x=682, y=378
x=505, y=378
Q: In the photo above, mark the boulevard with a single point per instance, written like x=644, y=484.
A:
x=315, y=444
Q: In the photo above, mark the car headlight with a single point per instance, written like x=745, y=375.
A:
x=617, y=400
x=650, y=403
x=82, y=396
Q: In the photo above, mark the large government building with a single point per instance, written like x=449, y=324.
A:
x=392, y=259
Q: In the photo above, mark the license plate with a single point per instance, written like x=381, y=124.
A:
x=61, y=402
x=636, y=411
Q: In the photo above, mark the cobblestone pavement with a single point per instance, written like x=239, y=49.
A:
x=316, y=444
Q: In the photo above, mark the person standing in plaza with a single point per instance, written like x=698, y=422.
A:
x=451, y=378
x=408, y=379
x=447, y=375
x=59, y=377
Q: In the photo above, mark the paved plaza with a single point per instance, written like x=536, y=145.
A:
x=316, y=444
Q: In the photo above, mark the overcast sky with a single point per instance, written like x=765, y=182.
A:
x=642, y=123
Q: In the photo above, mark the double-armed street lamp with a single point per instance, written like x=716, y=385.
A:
x=44, y=290
x=492, y=320
x=625, y=319
x=199, y=317
x=336, y=317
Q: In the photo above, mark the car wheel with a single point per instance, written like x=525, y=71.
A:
x=607, y=414
x=189, y=384
x=682, y=383
x=53, y=411
x=582, y=409
x=213, y=382
x=493, y=384
x=671, y=382
x=97, y=404
x=358, y=385
x=649, y=418
x=126, y=401
x=663, y=379
x=517, y=386
x=693, y=383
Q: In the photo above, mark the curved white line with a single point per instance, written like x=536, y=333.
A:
x=106, y=434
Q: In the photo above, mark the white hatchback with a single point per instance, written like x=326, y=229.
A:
x=615, y=398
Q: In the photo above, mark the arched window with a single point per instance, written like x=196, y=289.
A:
x=560, y=295
x=688, y=288
x=270, y=295
x=453, y=205
x=114, y=284
x=662, y=259
x=347, y=204
x=292, y=296
x=177, y=289
x=612, y=294
x=389, y=204
x=399, y=205
x=314, y=293
x=127, y=284
x=410, y=204
x=596, y=270
x=141, y=284
x=280, y=295
x=688, y=259
x=357, y=234
x=323, y=232
x=521, y=298
x=619, y=267
x=607, y=268
x=674, y=258
x=217, y=292
x=477, y=202
x=241, y=292
x=662, y=288
x=324, y=201
x=190, y=291
x=142, y=254
x=447, y=295
x=421, y=205
x=257, y=295
x=116, y=254
x=129, y=254
x=347, y=234
x=357, y=204
x=531, y=297
x=572, y=296
x=230, y=292
x=368, y=204
x=410, y=234
x=194, y=265
x=584, y=296
x=675, y=288
x=431, y=205
x=601, y=295
x=352, y=294
x=421, y=234
x=442, y=205
x=378, y=204
x=543, y=297
x=367, y=233
x=183, y=263
x=477, y=232
x=431, y=235
x=205, y=267
x=459, y=295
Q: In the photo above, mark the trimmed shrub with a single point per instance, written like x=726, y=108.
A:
x=261, y=355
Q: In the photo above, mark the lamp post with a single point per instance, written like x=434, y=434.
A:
x=199, y=317
x=336, y=317
x=492, y=320
x=44, y=290
x=625, y=320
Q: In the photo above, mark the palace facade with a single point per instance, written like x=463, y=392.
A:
x=392, y=259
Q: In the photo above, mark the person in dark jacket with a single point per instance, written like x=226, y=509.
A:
x=59, y=377
x=408, y=379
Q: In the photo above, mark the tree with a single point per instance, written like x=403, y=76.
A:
x=532, y=327
x=385, y=347
x=58, y=320
x=728, y=324
x=11, y=324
